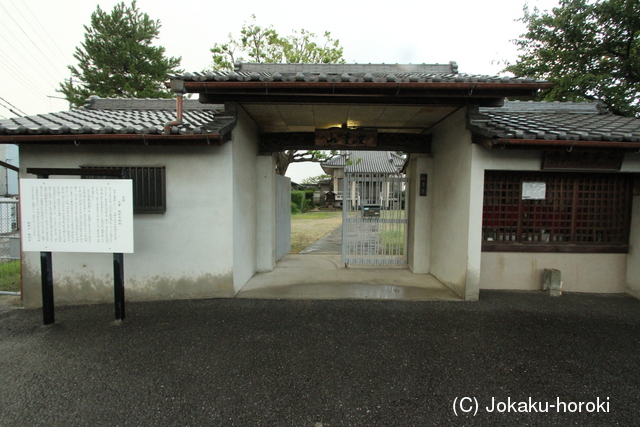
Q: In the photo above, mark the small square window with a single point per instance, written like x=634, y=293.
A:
x=149, y=186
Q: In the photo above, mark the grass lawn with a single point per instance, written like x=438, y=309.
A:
x=10, y=276
x=308, y=227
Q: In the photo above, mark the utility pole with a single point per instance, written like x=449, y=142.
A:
x=70, y=80
x=71, y=84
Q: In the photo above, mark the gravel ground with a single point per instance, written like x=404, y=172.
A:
x=326, y=363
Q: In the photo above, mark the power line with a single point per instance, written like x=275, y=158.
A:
x=23, y=113
x=62, y=58
x=10, y=110
x=12, y=68
x=8, y=59
x=28, y=37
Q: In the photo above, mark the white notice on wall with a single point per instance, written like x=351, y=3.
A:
x=77, y=215
x=534, y=190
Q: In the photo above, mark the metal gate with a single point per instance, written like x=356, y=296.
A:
x=374, y=223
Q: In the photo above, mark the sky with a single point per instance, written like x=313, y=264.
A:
x=38, y=38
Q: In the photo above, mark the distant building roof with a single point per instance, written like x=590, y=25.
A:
x=385, y=162
x=551, y=121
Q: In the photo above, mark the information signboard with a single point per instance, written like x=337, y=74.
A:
x=534, y=190
x=77, y=215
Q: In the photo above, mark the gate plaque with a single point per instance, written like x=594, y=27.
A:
x=345, y=138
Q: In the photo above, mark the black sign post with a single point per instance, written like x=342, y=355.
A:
x=48, y=308
x=46, y=268
x=118, y=285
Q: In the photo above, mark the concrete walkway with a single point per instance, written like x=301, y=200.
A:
x=238, y=362
x=330, y=244
x=317, y=273
x=324, y=277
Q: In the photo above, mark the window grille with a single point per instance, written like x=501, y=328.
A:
x=149, y=186
x=574, y=213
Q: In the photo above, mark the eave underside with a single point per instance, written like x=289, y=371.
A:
x=445, y=94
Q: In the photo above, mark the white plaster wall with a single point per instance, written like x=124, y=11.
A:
x=632, y=164
x=519, y=160
x=183, y=253
x=419, y=227
x=633, y=258
x=454, y=260
x=245, y=186
x=601, y=273
x=266, y=205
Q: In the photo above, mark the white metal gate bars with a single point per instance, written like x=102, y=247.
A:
x=374, y=221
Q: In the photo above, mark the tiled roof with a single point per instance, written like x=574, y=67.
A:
x=119, y=116
x=553, y=121
x=450, y=68
x=367, y=162
x=353, y=73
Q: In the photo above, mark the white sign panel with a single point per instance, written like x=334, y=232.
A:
x=534, y=190
x=77, y=215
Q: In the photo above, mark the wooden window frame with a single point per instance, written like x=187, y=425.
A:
x=580, y=213
x=149, y=186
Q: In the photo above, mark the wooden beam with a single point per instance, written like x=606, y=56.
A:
x=582, y=160
x=75, y=171
x=559, y=144
x=406, y=142
x=482, y=140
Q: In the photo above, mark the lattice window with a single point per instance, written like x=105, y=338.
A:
x=149, y=186
x=570, y=212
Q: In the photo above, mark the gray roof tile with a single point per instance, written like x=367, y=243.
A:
x=346, y=69
x=119, y=116
x=553, y=121
x=399, y=73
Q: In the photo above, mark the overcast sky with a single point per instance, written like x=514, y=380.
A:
x=38, y=37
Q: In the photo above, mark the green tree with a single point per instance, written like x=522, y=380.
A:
x=315, y=179
x=588, y=49
x=117, y=58
x=264, y=44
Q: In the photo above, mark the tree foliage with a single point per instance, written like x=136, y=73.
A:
x=117, y=58
x=264, y=44
x=310, y=180
x=588, y=49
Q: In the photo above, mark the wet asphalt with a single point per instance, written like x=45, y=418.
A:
x=231, y=362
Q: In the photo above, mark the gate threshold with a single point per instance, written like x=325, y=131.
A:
x=324, y=277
